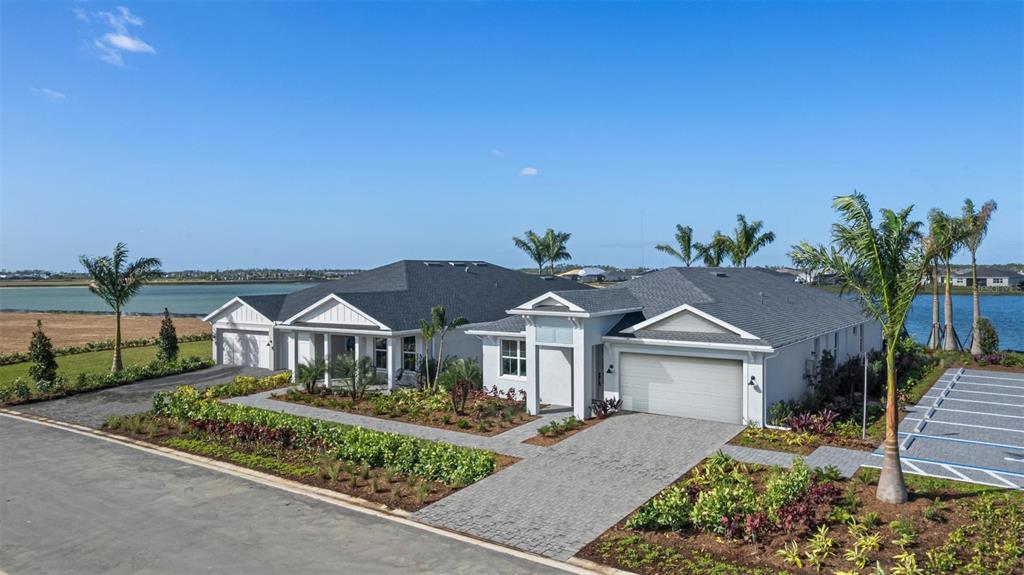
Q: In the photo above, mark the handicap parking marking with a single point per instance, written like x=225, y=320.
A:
x=992, y=407
x=971, y=425
x=925, y=436
x=982, y=420
x=981, y=394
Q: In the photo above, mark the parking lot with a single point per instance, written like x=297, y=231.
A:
x=969, y=426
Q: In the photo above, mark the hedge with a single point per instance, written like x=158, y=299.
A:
x=421, y=458
x=19, y=391
x=20, y=356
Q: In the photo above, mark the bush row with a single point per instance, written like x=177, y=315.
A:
x=19, y=356
x=430, y=460
x=20, y=391
x=248, y=385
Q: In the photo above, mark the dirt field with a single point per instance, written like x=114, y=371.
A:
x=75, y=328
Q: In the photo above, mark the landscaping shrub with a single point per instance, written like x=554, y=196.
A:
x=167, y=341
x=668, y=510
x=425, y=459
x=248, y=385
x=558, y=428
x=604, y=407
x=987, y=336
x=40, y=353
x=786, y=487
x=723, y=509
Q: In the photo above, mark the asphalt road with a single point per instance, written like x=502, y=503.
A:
x=76, y=504
x=91, y=409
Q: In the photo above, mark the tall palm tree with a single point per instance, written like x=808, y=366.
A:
x=535, y=247
x=947, y=235
x=928, y=244
x=975, y=226
x=116, y=281
x=713, y=253
x=687, y=251
x=427, y=331
x=555, y=247
x=439, y=319
x=882, y=265
x=746, y=241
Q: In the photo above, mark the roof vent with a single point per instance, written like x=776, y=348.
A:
x=761, y=295
x=431, y=263
x=721, y=275
x=480, y=264
x=547, y=278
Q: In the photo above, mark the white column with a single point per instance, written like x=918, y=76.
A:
x=327, y=358
x=391, y=363
x=213, y=340
x=581, y=394
x=532, y=385
x=357, y=349
x=293, y=353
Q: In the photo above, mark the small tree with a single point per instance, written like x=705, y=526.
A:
x=459, y=378
x=167, y=342
x=40, y=353
x=356, y=374
x=442, y=326
x=988, y=339
x=309, y=373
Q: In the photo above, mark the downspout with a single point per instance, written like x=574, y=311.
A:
x=764, y=386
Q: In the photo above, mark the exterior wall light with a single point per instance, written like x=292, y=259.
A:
x=611, y=369
x=752, y=381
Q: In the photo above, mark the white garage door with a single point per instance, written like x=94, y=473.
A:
x=694, y=387
x=247, y=348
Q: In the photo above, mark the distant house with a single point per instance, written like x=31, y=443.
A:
x=584, y=274
x=987, y=278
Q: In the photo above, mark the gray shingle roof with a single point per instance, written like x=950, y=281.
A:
x=769, y=306
x=699, y=336
x=599, y=300
x=510, y=324
x=401, y=293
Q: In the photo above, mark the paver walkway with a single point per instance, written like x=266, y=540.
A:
x=848, y=461
x=508, y=443
x=559, y=500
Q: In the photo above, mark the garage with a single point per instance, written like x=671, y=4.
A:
x=696, y=387
x=244, y=348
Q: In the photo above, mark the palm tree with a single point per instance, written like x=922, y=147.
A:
x=115, y=282
x=882, y=265
x=427, y=331
x=688, y=249
x=357, y=374
x=975, y=226
x=438, y=317
x=747, y=240
x=535, y=247
x=461, y=376
x=713, y=252
x=928, y=245
x=554, y=247
x=309, y=373
x=947, y=236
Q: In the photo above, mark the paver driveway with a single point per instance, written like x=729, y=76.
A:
x=970, y=427
x=556, y=502
x=93, y=408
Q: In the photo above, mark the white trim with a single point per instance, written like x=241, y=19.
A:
x=695, y=344
x=338, y=299
x=582, y=314
x=346, y=331
x=701, y=314
x=550, y=295
x=231, y=302
x=502, y=334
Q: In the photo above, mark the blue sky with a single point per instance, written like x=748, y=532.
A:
x=219, y=135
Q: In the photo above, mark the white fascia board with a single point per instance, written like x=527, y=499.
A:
x=689, y=308
x=338, y=299
x=231, y=302
x=346, y=330
x=583, y=314
x=691, y=344
x=502, y=334
x=550, y=295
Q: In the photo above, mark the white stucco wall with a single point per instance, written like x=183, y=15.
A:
x=490, y=364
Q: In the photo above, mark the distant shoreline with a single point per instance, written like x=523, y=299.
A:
x=953, y=291
x=84, y=283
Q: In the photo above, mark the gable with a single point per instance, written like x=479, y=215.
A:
x=334, y=311
x=686, y=321
x=237, y=313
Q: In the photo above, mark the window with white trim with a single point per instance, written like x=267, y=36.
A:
x=380, y=352
x=513, y=357
x=409, y=353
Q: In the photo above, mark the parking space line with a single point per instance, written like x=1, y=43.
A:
x=927, y=474
x=995, y=377
x=992, y=385
x=955, y=472
x=997, y=477
x=977, y=412
x=989, y=393
x=979, y=401
x=966, y=425
x=906, y=458
x=913, y=467
x=938, y=401
x=959, y=440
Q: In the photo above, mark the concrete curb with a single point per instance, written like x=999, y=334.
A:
x=597, y=567
x=573, y=565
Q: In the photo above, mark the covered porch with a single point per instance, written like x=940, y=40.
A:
x=393, y=354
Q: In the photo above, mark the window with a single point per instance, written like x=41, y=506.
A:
x=409, y=353
x=380, y=352
x=513, y=357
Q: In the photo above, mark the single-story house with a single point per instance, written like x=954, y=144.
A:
x=987, y=277
x=709, y=343
x=374, y=313
x=584, y=274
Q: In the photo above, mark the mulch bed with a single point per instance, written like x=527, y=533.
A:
x=548, y=441
x=742, y=556
x=398, y=493
x=747, y=438
x=493, y=424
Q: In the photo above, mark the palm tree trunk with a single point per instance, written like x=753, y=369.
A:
x=949, y=342
x=934, y=338
x=891, y=487
x=440, y=348
x=975, y=340
x=116, y=365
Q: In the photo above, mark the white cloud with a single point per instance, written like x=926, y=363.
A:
x=498, y=153
x=529, y=171
x=112, y=45
x=51, y=95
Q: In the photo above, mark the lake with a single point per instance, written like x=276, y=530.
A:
x=183, y=299
x=1006, y=312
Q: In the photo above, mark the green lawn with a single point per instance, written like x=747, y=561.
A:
x=99, y=361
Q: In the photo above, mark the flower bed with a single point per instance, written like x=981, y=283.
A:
x=20, y=391
x=384, y=486
x=728, y=518
x=487, y=412
x=799, y=442
x=434, y=461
